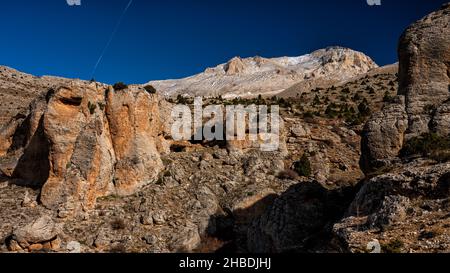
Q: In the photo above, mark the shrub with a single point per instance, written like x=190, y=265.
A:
x=118, y=224
x=150, y=89
x=394, y=246
x=120, y=86
x=343, y=98
x=303, y=166
x=92, y=107
x=182, y=100
x=308, y=114
x=331, y=112
x=370, y=89
x=356, y=97
x=364, y=108
x=387, y=97
x=429, y=145
x=354, y=119
x=316, y=101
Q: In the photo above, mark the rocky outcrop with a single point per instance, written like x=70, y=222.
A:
x=84, y=142
x=424, y=73
x=424, y=82
x=234, y=66
x=398, y=203
x=134, y=124
x=80, y=153
x=383, y=136
x=406, y=206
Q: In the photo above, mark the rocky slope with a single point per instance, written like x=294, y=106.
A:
x=402, y=206
x=84, y=141
x=72, y=157
x=89, y=168
x=250, y=77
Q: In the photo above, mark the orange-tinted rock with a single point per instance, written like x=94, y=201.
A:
x=84, y=141
x=81, y=155
x=135, y=127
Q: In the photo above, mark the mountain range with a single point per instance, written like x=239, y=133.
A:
x=250, y=77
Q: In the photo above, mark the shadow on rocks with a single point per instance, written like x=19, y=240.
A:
x=299, y=220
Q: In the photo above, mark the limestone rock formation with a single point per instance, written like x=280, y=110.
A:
x=134, y=124
x=83, y=142
x=40, y=230
x=234, y=66
x=383, y=136
x=424, y=81
x=80, y=152
x=424, y=72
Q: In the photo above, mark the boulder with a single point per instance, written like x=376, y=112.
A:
x=383, y=137
x=40, y=230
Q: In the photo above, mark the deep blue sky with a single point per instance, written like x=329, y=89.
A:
x=161, y=39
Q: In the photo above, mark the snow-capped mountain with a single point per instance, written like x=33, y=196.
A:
x=246, y=77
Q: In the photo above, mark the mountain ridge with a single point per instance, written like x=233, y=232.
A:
x=252, y=76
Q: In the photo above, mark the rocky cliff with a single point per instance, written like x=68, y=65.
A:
x=84, y=141
x=424, y=85
x=402, y=205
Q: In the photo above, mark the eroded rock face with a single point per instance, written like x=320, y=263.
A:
x=424, y=72
x=84, y=142
x=424, y=82
x=81, y=155
x=383, y=136
x=234, y=66
x=134, y=122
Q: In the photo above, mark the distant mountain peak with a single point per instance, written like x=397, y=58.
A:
x=246, y=77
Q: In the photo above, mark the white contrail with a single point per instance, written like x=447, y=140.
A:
x=116, y=28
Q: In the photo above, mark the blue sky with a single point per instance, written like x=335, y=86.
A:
x=173, y=39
